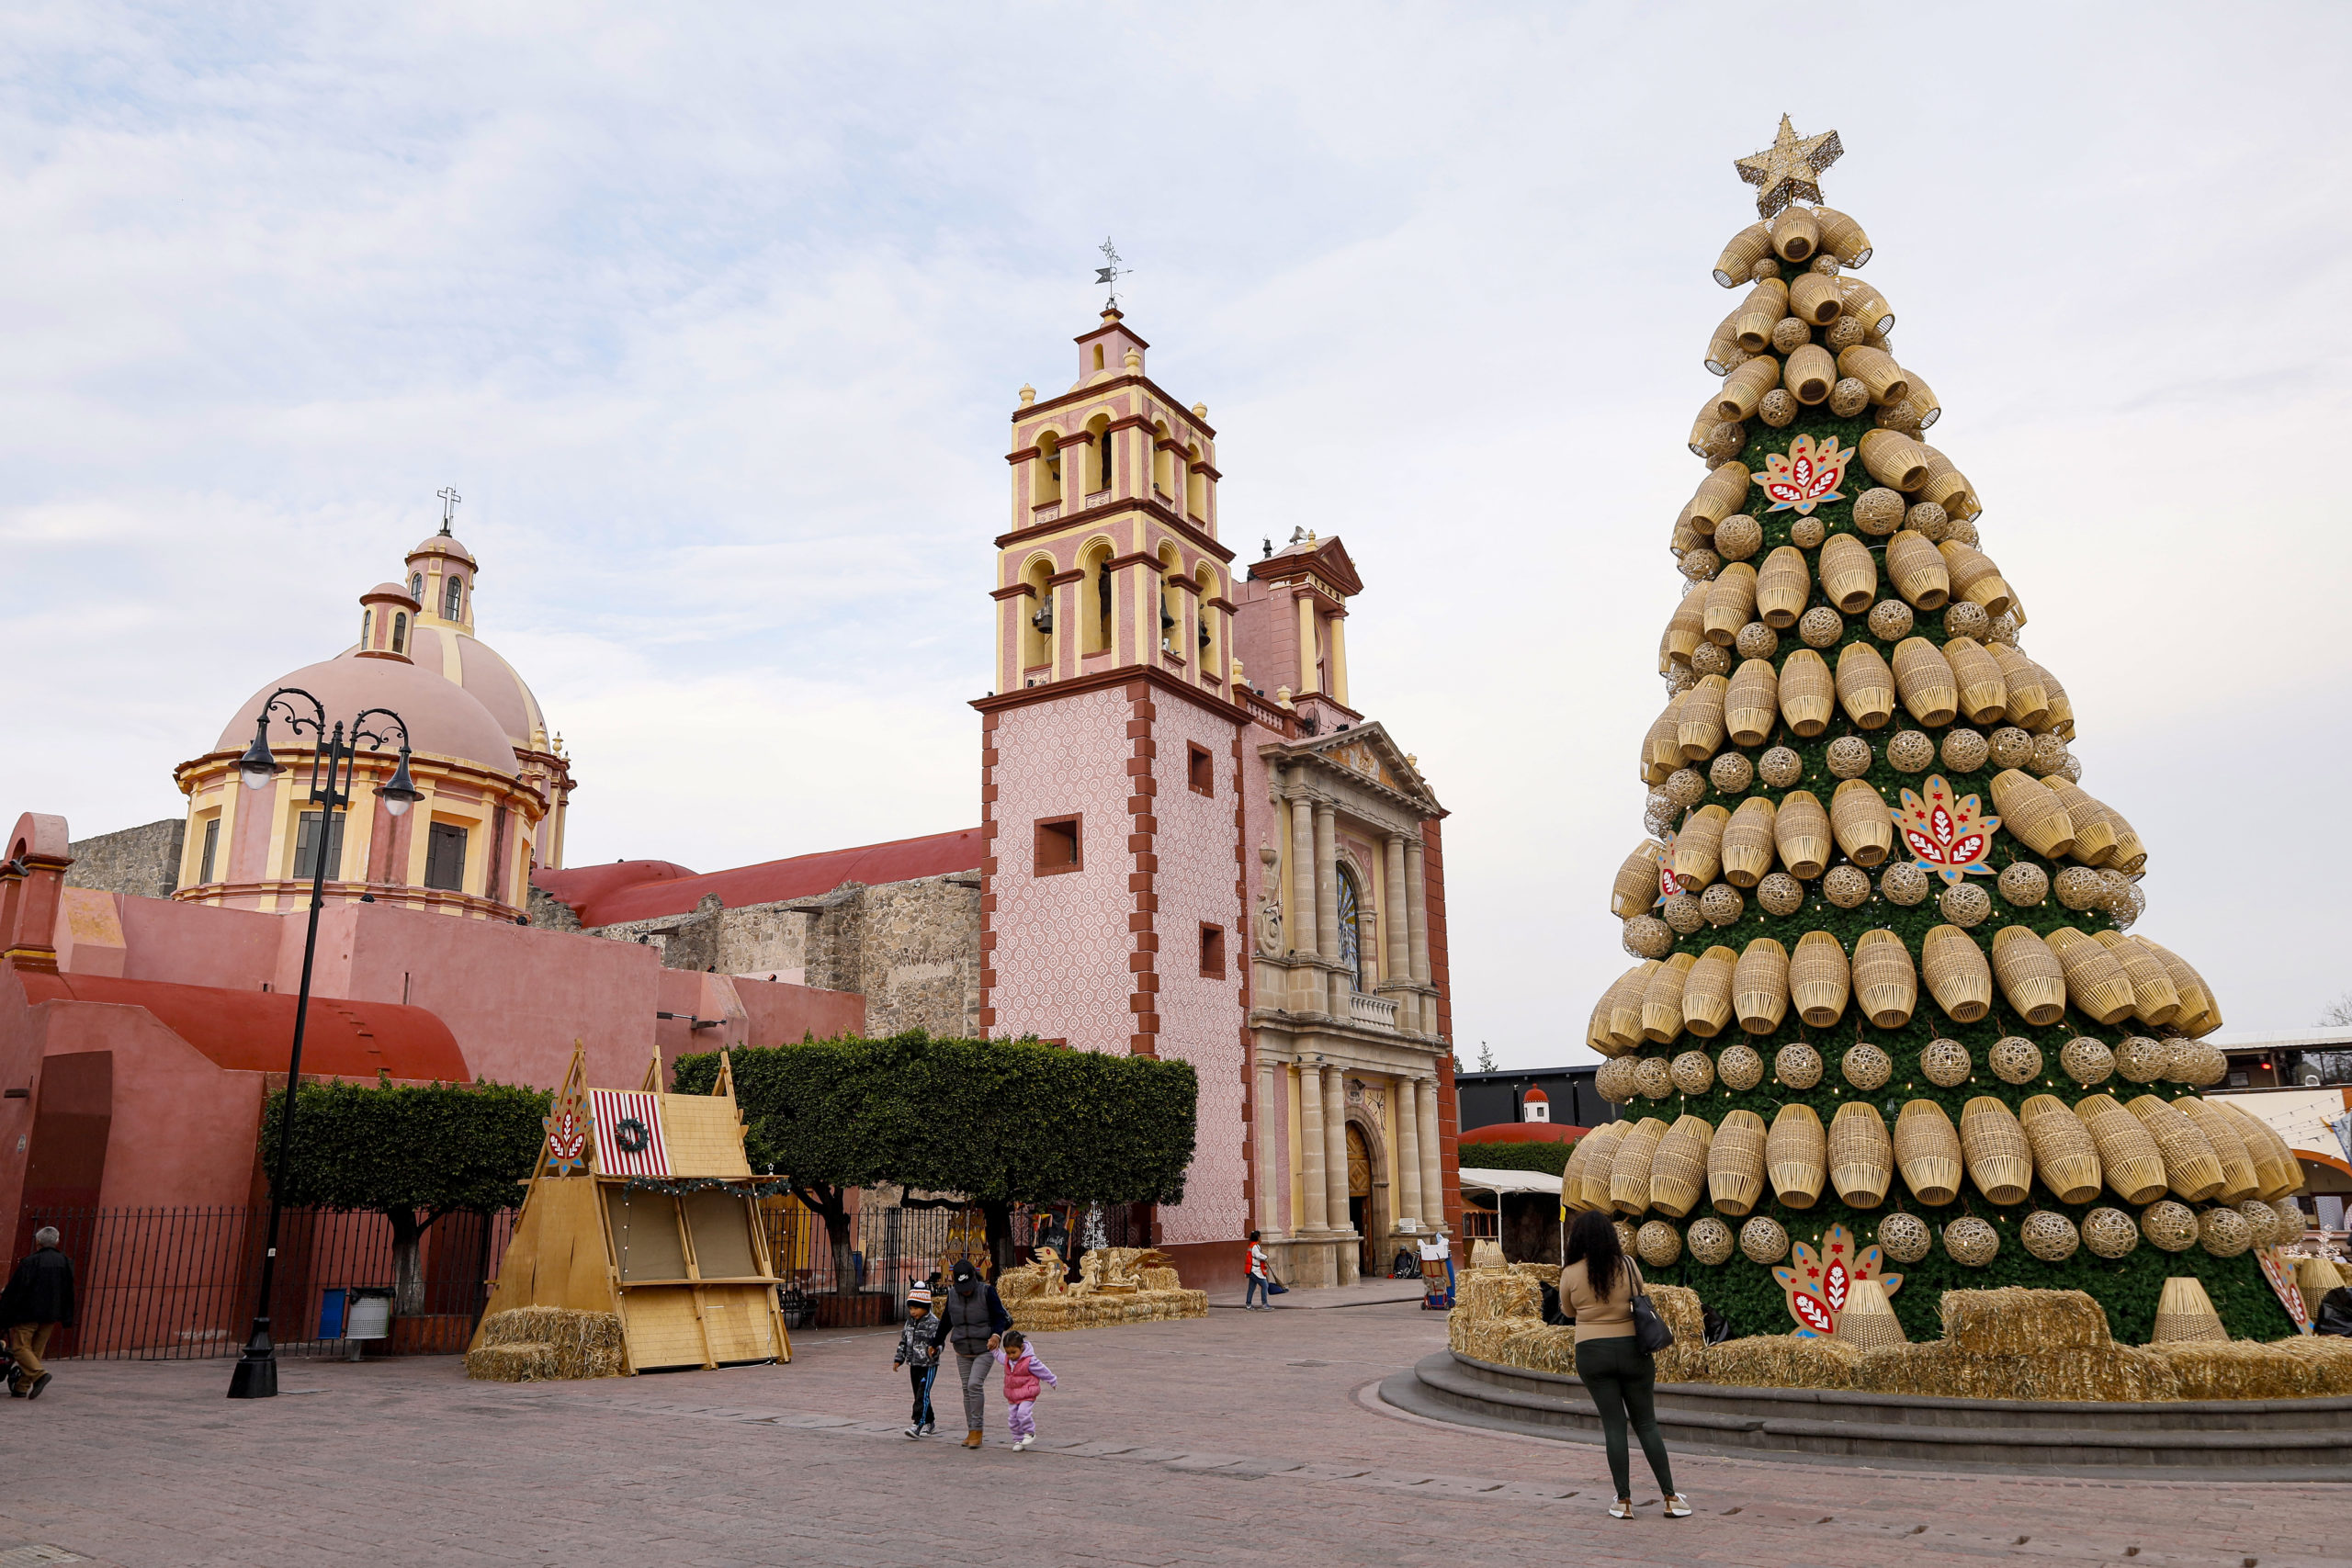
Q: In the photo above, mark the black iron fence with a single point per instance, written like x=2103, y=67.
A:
x=892, y=1248
x=165, y=1284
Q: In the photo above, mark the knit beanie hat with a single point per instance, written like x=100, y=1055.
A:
x=919, y=1296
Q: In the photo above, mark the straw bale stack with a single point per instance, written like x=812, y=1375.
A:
x=1819, y=979
x=1999, y=1157
x=2012, y=1321
x=2063, y=1154
x=2240, y=1369
x=1485, y=1294
x=2095, y=984
x=2128, y=1161
x=2191, y=1169
x=1681, y=1309
x=1927, y=1151
x=2184, y=1311
x=2241, y=1178
x=2031, y=976
x=1629, y=1172
x=539, y=1343
x=2328, y=1358
x=1957, y=975
x=1759, y=986
x=2033, y=813
x=2110, y=1372
x=1796, y=1157
x=1861, y=1157
x=1734, y=1162
x=1679, y=1167
x=1865, y=685
x=1783, y=1360
x=1859, y=821
x=1885, y=980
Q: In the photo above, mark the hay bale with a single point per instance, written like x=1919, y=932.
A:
x=511, y=1363
x=585, y=1344
x=1497, y=1292
x=1544, y=1349
x=2327, y=1359
x=2014, y=1321
x=1942, y=1368
x=2237, y=1368
x=1162, y=1280
x=1545, y=1273
x=1686, y=1360
x=1781, y=1361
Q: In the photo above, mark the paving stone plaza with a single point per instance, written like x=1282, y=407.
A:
x=1240, y=1438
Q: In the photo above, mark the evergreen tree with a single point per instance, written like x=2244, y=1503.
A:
x=1878, y=911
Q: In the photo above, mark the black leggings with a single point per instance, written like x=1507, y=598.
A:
x=1620, y=1377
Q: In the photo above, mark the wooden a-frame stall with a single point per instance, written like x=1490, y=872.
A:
x=643, y=1205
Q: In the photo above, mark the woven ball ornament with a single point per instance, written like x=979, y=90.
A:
x=1763, y=1241
x=2049, y=1236
x=2109, y=1233
x=1628, y=1237
x=2115, y=890
x=1964, y=531
x=1902, y=417
x=1879, y=510
x=1618, y=1079
x=2212, y=1065
x=1821, y=627
x=1712, y=1241
x=1646, y=936
x=1682, y=913
x=1964, y=750
x=1722, y=904
x=1791, y=333
x=1965, y=904
x=2170, y=1225
x=1972, y=1241
x=1806, y=533
x=1904, y=883
x=1723, y=442
x=2225, y=1231
x=1731, y=772
x=1926, y=518
x=1910, y=751
x=2074, y=769
x=2015, y=1060
x=1797, y=1064
x=2292, y=1222
x=1693, y=1072
x=1781, y=893
x=2080, y=887
x=2011, y=746
x=2139, y=1059
x=1849, y=396
x=1945, y=1063
x=2023, y=884
x=2261, y=1222
x=1756, y=640
x=1710, y=658
x=1848, y=756
x=1700, y=565
x=1845, y=886
x=1778, y=410
x=1764, y=268
x=2129, y=909
x=1963, y=618
x=1904, y=1238
x=1780, y=767
x=2182, y=1058
x=1866, y=1067
x=2003, y=629
x=1679, y=680
x=1686, y=787
x=1660, y=814
x=1654, y=1077
x=1657, y=1244
x=2049, y=756
x=1740, y=1067
x=2088, y=1061
x=1844, y=333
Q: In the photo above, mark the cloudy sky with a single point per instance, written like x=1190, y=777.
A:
x=714, y=315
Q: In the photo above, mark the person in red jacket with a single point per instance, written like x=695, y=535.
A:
x=1025, y=1377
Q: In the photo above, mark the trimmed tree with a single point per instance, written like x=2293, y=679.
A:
x=1002, y=1121
x=409, y=1152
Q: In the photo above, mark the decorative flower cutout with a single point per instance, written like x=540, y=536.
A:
x=1818, y=1284
x=1666, y=885
x=1806, y=476
x=1945, y=835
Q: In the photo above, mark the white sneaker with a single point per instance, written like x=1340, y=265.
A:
x=1622, y=1509
x=1025, y=1443
x=914, y=1431
x=1678, y=1506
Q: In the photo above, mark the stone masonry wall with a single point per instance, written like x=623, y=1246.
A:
x=143, y=862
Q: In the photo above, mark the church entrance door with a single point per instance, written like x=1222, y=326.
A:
x=1359, y=1214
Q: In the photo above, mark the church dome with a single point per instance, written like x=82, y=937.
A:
x=443, y=720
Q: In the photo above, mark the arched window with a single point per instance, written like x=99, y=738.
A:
x=1207, y=637
x=367, y=625
x=1196, y=484
x=1163, y=462
x=1171, y=570
x=1095, y=597
x=1099, y=470
x=453, y=597
x=1037, y=628
x=400, y=632
x=1351, y=939
x=416, y=586
x=1048, y=484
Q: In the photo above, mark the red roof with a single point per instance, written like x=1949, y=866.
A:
x=1535, y=1096
x=1524, y=1133
x=252, y=1030
x=600, y=900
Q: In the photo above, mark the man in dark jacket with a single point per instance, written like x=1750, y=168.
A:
x=39, y=1298
x=975, y=1319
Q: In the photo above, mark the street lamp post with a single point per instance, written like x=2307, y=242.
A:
x=331, y=767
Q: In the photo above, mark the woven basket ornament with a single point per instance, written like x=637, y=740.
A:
x=1866, y=1067
x=2088, y=1061
x=1781, y=893
x=1693, y=1072
x=2023, y=884
x=2170, y=1225
x=2015, y=1060
x=1905, y=1237
x=1780, y=767
x=2109, y=1233
x=1711, y=1241
x=2049, y=1235
x=1654, y=1078
x=1740, y=1067
x=1797, y=1064
x=1904, y=885
x=1657, y=1244
x=1736, y=1163
x=1762, y=1240
x=1944, y=1062
x=1971, y=1242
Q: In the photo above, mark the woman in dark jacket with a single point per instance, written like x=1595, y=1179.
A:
x=38, y=1299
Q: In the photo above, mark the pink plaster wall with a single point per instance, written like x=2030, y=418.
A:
x=1062, y=941
x=199, y=944
x=184, y=1130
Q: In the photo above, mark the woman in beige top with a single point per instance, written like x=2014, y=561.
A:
x=1597, y=1287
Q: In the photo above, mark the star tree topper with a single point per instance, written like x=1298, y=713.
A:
x=1785, y=171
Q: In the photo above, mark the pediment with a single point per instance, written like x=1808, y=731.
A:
x=1367, y=753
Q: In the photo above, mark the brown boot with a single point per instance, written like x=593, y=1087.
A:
x=972, y=1439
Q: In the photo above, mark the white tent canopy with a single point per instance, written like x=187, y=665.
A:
x=1511, y=1180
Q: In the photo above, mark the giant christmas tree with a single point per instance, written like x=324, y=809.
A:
x=1891, y=1031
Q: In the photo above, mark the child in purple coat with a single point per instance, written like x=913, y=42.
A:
x=1025, y=1378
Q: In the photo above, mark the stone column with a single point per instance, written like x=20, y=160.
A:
x=1335, y=1149
x=1399, y=967
x=1266, y=1141
x=1305, y=981
x=1338, y=660
x=1314, y=1189
x=1327, y=879
x=1432, y=1160
x=1417, y=914
x=1408, y=1152
x=1307, y=680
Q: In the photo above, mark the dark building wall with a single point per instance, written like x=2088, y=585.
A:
x=1488, y=1098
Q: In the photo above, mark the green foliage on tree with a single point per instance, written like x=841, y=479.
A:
x=409, y=1152
x=1000, y=1121
x=1549, y=1158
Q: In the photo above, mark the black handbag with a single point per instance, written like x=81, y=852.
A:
x=1650, y=1331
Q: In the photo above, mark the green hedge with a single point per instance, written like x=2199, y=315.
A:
x=1549, y=1158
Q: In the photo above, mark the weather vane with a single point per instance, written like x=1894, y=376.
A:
x=1111, y=272
x=449, y=499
